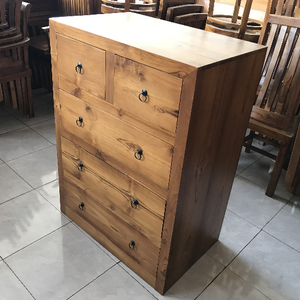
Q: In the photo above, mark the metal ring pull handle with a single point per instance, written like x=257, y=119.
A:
x=131, y=245
x=138, y=154
x=134, y=203
x=80, y=166
x=78, y=68
x=79, y=122
x=81, y=206
x=144, y=93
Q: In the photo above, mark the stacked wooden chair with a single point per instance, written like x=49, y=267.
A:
x=163, y=6
x=190, y=15
x=15, y=81
x=39, y=47
x=146, y=8
x=275, y=114
x=79, y=7
x=234, y=25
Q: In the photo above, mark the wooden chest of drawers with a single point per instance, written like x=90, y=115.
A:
x=150, y=118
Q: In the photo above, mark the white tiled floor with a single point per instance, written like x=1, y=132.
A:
x=45, y=256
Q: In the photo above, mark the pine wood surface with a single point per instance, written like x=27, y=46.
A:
x=92, y=76
x=162, y=105
x=115, y=190
x=118, y=139
x=192, y=168
x=145, y=253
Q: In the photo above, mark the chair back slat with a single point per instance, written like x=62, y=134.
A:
x=196, y=20
x=3, y=21
x=278, y=100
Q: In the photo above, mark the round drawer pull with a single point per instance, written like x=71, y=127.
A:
x=138, y=154
x=80, y=166
x=81, y=206
x=144, y=95
x=79, y=122
x=134, y=203
x=132, y=245
x=78, y=68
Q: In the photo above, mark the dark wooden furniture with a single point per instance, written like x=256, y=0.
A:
x=79, y=7
x=165, y=4
x=140, y=7
x=179, y=10
x=15, y=83
x=275, y=114
x=149, y=132
x=292, y=177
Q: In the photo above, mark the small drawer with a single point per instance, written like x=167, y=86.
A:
x=147, y=94
x=81, y=66
x=137, y=205
x=139, y=150
x=129, y=245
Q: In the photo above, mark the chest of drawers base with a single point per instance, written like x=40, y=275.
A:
x=149, y=133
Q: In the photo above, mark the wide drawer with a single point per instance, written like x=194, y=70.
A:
x=139, y=150
x=159, y=108
x=138, y=206
x=129, y=245
x=81, y=65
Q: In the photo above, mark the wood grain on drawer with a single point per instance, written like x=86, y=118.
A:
x=115, y=190
x=160, y=110
x=117, y=138
x=92, y=76
x=143, y=257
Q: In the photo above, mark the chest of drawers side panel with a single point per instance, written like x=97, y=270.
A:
x=221, y=108
x=58, y=129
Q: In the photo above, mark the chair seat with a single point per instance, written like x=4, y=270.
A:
x=40, y=44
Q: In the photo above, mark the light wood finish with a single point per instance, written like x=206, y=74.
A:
x=275, y=113
x=187, y=168
x=115, y=190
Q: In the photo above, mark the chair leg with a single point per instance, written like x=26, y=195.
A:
x=277, y=168
x=249, y=141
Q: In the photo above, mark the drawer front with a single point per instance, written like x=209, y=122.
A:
x=90, y=76
x=138, y=206
x=161, y=106
x=117, y=138
x=143, y=253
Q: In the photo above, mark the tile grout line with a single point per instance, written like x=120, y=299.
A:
x=19, y=279
x=92, y=281
x=37, y=240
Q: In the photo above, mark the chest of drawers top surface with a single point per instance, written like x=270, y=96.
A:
x=190, y=47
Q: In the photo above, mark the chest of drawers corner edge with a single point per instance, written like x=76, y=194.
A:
x=149, y=136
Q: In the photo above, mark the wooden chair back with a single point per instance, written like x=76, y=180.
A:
x=278, y=100
x=3, y=21
x=233, y=25
x=196, y=20
x=12, y=32
x=79, y=7
x=148, y=9
x=165, y=4
x=175, y=11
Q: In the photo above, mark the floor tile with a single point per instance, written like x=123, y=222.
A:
x=115, y=284
x=229, y=286
x=9, y=123
x=26, y=219
x=41, y=114
x=47, y=130
x=37, y=168
x=270, y=266
x=50, y=192
x=246, y=160
x=236, y=233
x=258, y=173
x=60, y=264
x=1, y=161
x=41, y=97
x=11, y=288
x=191, y=284
x=11, y=185
x=3, y=112
x=286, y=224
x=21, y=142
x=249, y=201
